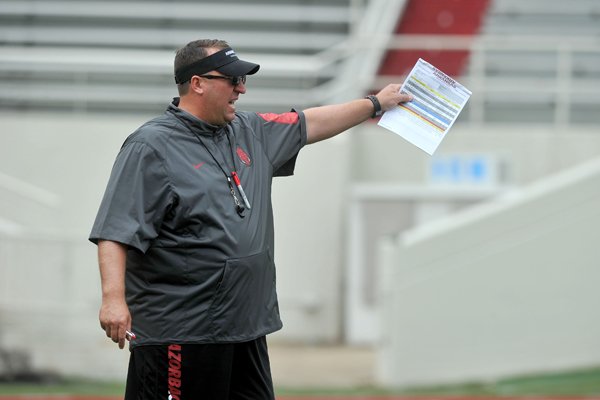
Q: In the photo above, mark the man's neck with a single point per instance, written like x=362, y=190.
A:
x=192, y=108
x=186, y=105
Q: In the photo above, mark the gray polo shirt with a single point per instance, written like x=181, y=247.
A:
x=196, y=271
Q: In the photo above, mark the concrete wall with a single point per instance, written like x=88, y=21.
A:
x=49, y=294
x=394, y=189
x=505, y=288
x=529, y=151
x=49, y=281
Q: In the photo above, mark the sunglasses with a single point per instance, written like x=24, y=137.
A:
x=235, y=80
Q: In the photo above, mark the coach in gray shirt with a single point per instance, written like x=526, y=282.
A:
x=185, y=230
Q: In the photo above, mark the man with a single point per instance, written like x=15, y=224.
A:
x=185, y=230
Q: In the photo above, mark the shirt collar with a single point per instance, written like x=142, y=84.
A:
x=194, y=123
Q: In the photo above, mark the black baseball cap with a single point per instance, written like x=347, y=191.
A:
x=225, y=61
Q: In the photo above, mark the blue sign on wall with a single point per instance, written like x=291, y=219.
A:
x=461, y=169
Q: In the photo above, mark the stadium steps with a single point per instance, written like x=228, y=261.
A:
x=544, y=55
x=117, y=56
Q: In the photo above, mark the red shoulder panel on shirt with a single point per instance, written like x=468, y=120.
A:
x=285, y=118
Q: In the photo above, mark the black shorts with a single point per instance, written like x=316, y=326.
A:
x=200, y=371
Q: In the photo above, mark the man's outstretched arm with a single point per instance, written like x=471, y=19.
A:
x=327, y=121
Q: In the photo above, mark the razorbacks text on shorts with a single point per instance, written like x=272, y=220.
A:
x=174, y=357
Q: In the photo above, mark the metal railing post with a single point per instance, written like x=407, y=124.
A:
x=563, y=85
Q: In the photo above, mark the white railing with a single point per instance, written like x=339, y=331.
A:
x=378, y=19
x=556, y=83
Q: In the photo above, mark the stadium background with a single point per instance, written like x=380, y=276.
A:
x=476, y=264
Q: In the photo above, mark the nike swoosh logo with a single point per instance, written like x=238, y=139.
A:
x=197, y=166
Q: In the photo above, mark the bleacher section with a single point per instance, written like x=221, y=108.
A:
x=535, y=61
x=543, y=17
x=531, y=62
x=117, y=56
x=540, y=62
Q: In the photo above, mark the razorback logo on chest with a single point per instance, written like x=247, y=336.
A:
x=244, y=157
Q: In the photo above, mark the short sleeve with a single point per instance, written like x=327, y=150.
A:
x=137, y=197
x=283, y=135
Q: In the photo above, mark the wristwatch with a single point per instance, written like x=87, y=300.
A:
x=377, y=111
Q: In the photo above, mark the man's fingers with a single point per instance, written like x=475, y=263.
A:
x=405, y=97
x=106, y=329
x=115, y=320
x=117, y=335
x=114, y=335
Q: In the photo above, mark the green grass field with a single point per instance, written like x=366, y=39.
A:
x=585, y=383
x=579, y=383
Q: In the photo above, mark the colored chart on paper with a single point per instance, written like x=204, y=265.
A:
x=437, y=101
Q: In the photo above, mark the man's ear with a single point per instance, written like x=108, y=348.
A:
x=197, y=84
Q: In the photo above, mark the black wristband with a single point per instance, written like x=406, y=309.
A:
x=377, y=111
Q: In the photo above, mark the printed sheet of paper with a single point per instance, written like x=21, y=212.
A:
x=437, y=101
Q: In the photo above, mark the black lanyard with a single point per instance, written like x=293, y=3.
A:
x=231, y=179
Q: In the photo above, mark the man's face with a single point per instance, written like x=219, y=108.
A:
x=220, y=97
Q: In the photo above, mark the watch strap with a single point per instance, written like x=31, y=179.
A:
x=377, y=111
